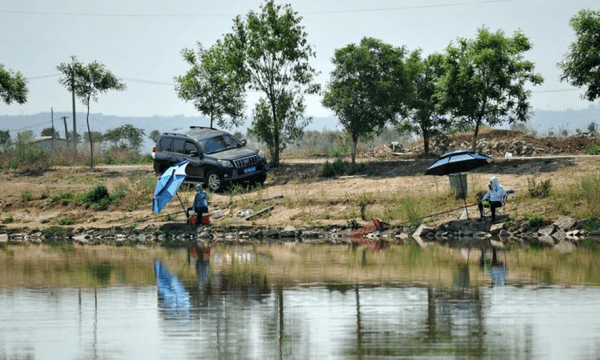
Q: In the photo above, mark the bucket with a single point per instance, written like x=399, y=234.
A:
x=206, y=219
x=458, y=183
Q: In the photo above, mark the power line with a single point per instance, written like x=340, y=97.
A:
x=230, y=15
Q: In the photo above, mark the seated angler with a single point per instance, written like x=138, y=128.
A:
x=493, y=197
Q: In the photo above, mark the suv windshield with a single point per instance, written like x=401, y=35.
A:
x=218, y=143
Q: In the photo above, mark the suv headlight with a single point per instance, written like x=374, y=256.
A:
x=261, y=155
x=225, y=163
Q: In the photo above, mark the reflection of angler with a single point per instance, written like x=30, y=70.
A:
x=498, y=270
x=203, y=266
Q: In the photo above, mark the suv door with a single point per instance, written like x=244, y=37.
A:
x=192, y=152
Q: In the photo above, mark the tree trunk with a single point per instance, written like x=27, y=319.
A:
x=354, y=143
x=475, y=133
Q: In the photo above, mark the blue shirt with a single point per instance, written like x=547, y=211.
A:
x=201, y=201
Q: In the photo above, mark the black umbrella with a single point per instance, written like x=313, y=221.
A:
x=456, y=162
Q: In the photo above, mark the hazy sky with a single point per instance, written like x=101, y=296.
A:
x=140, y=41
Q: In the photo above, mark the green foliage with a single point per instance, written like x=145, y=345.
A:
x=26, y=157
x=55, y=230
x=363, y=210
x=594, y=149
x=50, y=132
x=539, y=190
x=273, y=51
x=13, y=86
x=215, y=84
x=8, y=220
x=366, y=86
x=485, y=81
x=592, y=224
x=535, y=220
x=410, y=209
x=66, y=222
x=422, y=111
x=338, y=167
x=98, y=197
x=581, y=64
x=5, y=140
x=26, y=196
x=125, y=134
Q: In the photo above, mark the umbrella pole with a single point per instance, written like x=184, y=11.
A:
x=183, y=207
x=464, y=198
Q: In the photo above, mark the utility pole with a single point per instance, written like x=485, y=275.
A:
x=66, y=130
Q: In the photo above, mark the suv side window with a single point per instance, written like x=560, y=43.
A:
x=189, y=147
x=165, y=143
x=178, y=146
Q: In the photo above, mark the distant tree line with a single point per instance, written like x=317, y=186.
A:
x=374, y=85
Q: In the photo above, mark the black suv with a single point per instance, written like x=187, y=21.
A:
x=216, y=157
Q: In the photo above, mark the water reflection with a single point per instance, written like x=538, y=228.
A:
x=235, y=307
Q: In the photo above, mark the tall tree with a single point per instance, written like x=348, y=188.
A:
x=126, y=133
x=581, y=64
x=70, y=80
x=215, y=84
x=88, y=82
x=154, y=134
x=276, y=53
x=50, y=132
x=13, y=86
x=367, y=87
x=421, y=113
x=485, y=80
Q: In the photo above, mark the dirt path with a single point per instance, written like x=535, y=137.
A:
x=26, y=199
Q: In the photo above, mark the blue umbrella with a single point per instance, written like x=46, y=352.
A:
x=168, y=184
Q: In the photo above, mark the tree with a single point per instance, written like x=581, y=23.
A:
x=88, y=82
x=70, y=80
x=214, y=84
x=96, y=137
x=129, y=133
x=5, y=138
x=581, y=64
x=485, y=80
x=422, y=115
x=275, y=53
x=154, y=134
x=366, y=87
x=13, y=86
x=50, y=132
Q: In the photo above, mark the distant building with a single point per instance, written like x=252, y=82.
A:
x=49, y=143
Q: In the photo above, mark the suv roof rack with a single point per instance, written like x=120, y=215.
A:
x=201, y=127
x=176, y=134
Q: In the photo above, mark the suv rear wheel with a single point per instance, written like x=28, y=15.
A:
x=214, y=181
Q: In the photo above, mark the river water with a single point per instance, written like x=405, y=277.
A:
x=294, y=303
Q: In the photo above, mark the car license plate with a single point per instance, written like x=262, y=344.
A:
x=250, y=169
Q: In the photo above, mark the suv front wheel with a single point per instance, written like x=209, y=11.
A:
x=214, y=181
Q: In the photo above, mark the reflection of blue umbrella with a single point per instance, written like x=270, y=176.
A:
x=456, y=162
x=172, y=294
x=168, y=184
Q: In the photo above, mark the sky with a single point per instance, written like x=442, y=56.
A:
x=140, y=42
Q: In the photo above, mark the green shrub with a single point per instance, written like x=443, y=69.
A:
x=66, y=222
x=97, y=197
x=535, y=220
x=26, y=196
x=338, y=167
x=8, y=220
x=592, y=224
x=55, y=230
x=539, y=190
